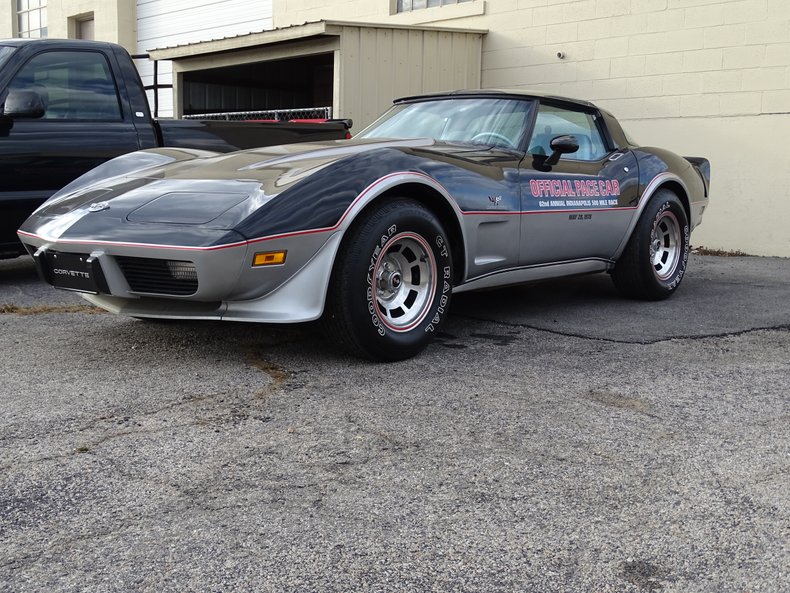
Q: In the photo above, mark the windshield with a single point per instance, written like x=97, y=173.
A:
x=492, y=122
x=5, y=53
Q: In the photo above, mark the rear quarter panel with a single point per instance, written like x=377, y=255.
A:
x=653, y=162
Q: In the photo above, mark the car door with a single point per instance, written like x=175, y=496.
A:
x=580, y=207
x=83, y=125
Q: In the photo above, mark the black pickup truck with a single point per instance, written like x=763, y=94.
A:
x=66, y=106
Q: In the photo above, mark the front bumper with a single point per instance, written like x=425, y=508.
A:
x=216, y=283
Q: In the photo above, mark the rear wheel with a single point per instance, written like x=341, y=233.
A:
x=391, y=286
x=654, y=260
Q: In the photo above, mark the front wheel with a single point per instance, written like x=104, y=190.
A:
x=654, y=260
x=392, y=281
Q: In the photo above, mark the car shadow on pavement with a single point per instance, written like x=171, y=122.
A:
x=718, y=296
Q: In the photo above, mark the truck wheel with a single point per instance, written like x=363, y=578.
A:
x=654, y=260
x=392, y=282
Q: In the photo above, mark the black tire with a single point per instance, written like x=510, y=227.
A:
x=391, y=285
x=655, y=258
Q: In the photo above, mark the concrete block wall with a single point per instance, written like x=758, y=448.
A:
x=646, y=58
x=7, y=19
x=298, y=12
x=114, y=19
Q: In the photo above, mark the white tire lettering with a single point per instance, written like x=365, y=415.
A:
x=374, y=319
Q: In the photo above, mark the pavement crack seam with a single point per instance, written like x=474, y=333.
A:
x=10, y=309
x=386, y=438
x=62, y=545
x=783, y=471
x=83, y=449
x=94, y=425
x=623, y=402
x=779, y=419
x=782, y=327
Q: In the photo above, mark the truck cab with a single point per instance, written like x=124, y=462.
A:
x=65, y=108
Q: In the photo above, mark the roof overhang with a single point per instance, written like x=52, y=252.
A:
x=295, y=33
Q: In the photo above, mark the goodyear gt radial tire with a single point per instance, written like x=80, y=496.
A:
x=654, y=261
x=391, y=285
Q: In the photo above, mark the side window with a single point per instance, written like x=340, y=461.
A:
x=556, y=121
x=502, y=128
x=74, y=85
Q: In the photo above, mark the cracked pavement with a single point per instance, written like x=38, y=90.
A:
x=554, y=438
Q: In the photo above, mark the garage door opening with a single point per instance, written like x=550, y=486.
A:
x=296, y=88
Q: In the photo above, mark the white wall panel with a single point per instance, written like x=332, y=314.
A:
x=165, y=23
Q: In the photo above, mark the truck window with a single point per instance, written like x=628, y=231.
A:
x=5, y=53
x=74, y=85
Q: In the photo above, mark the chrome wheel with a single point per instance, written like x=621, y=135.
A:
x=654, y=260
x=405, y=281
x=665, y=244
x=391, y=285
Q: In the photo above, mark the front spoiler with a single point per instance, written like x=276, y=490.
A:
x=300, y=299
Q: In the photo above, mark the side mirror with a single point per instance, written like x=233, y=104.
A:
x=6, y=123
x=562, y=145
x=24, y=104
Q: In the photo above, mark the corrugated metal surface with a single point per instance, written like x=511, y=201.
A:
x=378, y=65
x=162, y=23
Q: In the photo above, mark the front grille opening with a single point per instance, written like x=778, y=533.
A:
x=159, y=276
x=182, y=270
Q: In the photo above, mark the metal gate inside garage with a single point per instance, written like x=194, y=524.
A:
x=296, y=88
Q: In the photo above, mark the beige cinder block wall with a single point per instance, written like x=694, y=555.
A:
x=7, y=19
x=701, y=77
x=115, y=20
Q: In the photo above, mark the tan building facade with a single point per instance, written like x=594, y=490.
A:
x=701, y=77
x=104, y=20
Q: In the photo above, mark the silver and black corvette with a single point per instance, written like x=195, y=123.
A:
x=444, y=193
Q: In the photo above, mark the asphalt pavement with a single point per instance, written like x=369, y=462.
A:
x=555, y=438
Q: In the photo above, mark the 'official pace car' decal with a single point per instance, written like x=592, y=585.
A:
x=575, y=193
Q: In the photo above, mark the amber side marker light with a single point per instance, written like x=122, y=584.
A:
x=269, y=258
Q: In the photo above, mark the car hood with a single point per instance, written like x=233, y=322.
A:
x=276, y=168
x=217, y=191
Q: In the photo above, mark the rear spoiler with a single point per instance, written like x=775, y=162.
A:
x=702, y=166
x=346, y=122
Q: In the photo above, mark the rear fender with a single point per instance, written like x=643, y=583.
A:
x=702, y=166
x=662, y=180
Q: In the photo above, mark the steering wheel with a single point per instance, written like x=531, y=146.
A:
x=59, y=109
x=505, y=140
